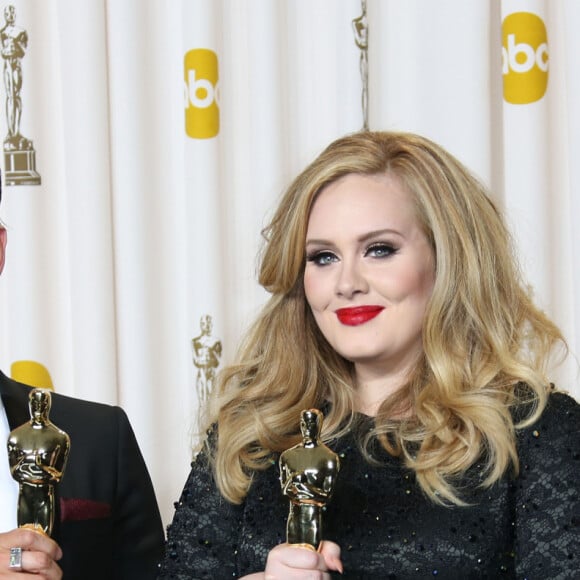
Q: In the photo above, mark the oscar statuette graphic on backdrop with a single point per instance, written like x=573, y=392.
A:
x=207, y=351
x=19, y=153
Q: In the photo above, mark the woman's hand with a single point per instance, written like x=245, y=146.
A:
x=286, y=562
x=39, y=555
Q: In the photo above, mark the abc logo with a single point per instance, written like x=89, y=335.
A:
x=202, y=114
x=524, y=56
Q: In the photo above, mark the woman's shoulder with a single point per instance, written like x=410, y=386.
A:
x=557, y=428
x=562, y=410
x=547, y=491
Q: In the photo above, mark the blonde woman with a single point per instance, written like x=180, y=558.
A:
x=396, y=308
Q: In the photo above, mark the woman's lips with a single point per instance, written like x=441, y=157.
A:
x=358, y=315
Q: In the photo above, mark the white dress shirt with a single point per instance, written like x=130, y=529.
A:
x=8, y=486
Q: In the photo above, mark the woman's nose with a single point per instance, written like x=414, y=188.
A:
x=351, y=279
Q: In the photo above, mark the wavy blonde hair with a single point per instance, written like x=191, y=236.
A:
x=483, y=336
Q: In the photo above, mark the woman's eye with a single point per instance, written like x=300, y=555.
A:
x=380, y=250
x=322, y=258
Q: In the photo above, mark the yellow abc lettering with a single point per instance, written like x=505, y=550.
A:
x=524, y=58
x=201, y=93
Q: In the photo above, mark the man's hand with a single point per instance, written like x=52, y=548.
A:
x=39, y=555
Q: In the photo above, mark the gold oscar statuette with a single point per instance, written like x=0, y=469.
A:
x=308, y=473
x=37, y=451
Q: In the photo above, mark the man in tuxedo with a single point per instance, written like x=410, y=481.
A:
x=107, y=523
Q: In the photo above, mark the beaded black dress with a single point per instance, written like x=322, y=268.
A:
x=524, y=527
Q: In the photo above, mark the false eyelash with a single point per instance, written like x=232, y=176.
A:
x=390, y=249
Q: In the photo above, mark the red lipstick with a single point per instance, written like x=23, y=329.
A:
x=358, y=315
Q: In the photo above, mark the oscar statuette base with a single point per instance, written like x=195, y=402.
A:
x=20, y=168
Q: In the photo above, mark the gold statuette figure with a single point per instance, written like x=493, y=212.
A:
x=37, y=451
x=307, y=474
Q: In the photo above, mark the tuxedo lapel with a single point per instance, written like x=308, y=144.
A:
x=15, y=400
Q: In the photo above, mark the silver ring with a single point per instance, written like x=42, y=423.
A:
x=15, y=562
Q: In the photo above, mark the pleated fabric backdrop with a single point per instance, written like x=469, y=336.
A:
x=159, y=135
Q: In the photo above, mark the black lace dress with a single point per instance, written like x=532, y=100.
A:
x=526, y=527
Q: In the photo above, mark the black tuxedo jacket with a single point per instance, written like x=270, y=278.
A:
x=107, y=520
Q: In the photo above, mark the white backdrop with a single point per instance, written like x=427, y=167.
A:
x=164, y=131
